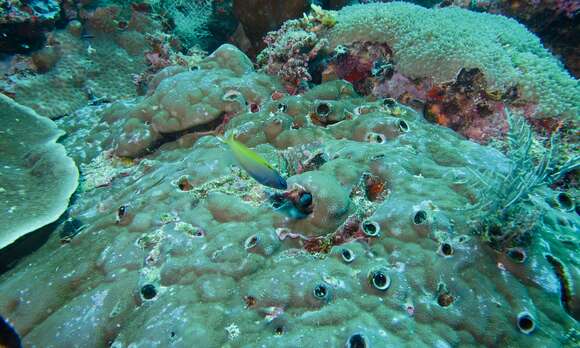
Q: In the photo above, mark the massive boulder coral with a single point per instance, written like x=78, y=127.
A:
x=37, y=177
x=370, y=244
x=222, y=85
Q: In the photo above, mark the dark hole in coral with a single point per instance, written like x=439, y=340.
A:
x=148, y=291
x=172, y=334
x=389, y=102
x=403, y=126
x=525, y=322
x=370, y=228
x=517, y=254
x=356, y=341
x=282, y=107
x=445, y=299
x=379, y=139
x=279, y=330
x=122, y=211
x=565, y=200
x=566, y=290
x=380, y=280
x=254, y=107
x=446, y=249
x=320, y=291
x=251, y=242
x=420, y=217
x=323, y=109
x=347, y=255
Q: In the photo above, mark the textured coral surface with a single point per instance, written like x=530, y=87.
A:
x=181, y=248
x=87, y=62
x=433, y=45
x=36, y=175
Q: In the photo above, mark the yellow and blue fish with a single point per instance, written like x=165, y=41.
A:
x=256, y=166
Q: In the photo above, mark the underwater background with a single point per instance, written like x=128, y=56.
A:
x=289, y=173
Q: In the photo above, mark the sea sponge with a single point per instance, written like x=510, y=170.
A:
x=37, y=176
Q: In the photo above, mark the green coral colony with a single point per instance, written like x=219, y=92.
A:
x=382, y=175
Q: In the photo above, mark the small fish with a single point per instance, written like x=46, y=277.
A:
x=255, y=165
x=8, y=336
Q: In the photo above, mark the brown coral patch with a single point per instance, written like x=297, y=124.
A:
x=468, y=106
x=360, y=64
x=445, y=299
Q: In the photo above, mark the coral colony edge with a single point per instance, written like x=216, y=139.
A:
x=263, y=173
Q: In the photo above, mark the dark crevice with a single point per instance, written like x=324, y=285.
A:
x=566, y=296
x=173, y=136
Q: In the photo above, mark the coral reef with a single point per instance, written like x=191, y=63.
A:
x=369, y=246
x=79, y=65
x=463, y=65
x=37, y=177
